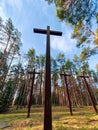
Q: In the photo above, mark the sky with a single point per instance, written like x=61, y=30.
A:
x=29, y=14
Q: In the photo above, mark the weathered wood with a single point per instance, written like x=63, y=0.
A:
x=47, y=105
x=74, y=91
x=42, y=31
x=67, y=91
x=89, y=92
x=30, y=99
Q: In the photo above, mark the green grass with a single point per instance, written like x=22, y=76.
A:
x=82, y=119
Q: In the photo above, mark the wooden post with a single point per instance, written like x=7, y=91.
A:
x=89, y=92
x=47, y=105
x=67, y=91
x=30, y=98
x=74, y=90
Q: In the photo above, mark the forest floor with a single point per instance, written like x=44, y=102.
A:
x=83, y=119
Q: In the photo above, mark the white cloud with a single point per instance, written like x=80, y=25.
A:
x=15, y=4
x=64, y=43
x=2, y=11
x=2, y=14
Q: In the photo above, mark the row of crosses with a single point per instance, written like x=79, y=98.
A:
x=47, y=104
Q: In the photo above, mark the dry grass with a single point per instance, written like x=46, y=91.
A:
x=82, y=119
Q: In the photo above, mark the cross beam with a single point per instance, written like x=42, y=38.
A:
x=47, y=105
x=43, y=31
x=83, y=76
x=67, y=91
x=65, y=74
x=89, y=92
x=30, y=99
x=33, y=72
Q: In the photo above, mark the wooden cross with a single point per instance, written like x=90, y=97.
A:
x=47, y=105
x=67, y=91
x=89, y=92
x=74, y=89
x=30, y=98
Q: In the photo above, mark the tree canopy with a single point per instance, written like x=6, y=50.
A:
x=83, y=16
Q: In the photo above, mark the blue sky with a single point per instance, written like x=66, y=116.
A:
x=29, y=14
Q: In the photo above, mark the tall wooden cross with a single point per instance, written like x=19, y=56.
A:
x=30, y=96
x=47, y=105
x=89, y=92
x=67, y=91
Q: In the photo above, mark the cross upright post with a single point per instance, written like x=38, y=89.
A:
x=89, y=92
x=47, y=104
x=31, y=91
x=67, y=91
